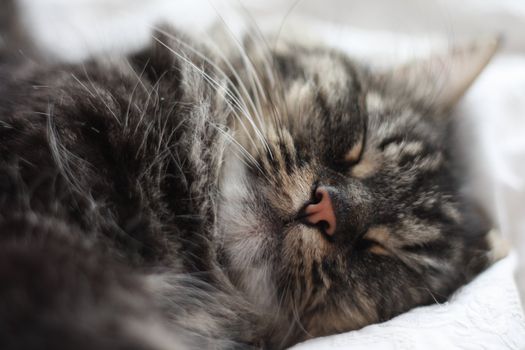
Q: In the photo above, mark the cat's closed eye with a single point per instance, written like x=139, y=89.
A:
x=351, y=158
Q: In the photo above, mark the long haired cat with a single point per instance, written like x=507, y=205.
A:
x=237, y=196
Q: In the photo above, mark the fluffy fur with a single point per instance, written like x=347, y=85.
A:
x=151, y=202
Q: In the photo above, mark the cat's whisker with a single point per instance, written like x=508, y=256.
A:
x=215, y=84
x=266, y=94
x=158, y=159
x=274, y=91
x=261, y=38
x=247, y=61
x=246, y=158
x=256, y=107
x=63, y=157
x=143, y=112
x=93, y=95
x=291, y=300
x=139, y=76
x=139, y=81
x=240, y=148
x=83, y=85
x=269, y=66
x=432, y=295
x=244, y=95
x=251, y=71
x=150, y=92
x=128, y=108
x=239, y=104
x=163, y=126
x=162, y=140
x=285, y=17
x=100, y=96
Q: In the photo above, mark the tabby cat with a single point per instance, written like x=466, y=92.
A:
x=229, y=195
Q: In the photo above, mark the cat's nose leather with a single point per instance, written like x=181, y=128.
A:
x=322, y=211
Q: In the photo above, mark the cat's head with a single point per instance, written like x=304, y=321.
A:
x=341, y=200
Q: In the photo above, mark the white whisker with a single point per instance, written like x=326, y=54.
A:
x=99, y=96
x=214, y=83
x=243, y=96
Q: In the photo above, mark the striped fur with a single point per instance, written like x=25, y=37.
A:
x=151, y=201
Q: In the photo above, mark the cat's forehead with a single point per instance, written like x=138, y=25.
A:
x=317, y=84
x=327, y=70
x=324, y=97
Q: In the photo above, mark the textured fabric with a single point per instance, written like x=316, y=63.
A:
x=485, y=314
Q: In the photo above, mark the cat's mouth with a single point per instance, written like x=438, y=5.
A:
x=314, y=219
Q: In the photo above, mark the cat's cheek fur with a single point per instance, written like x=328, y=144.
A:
x=244, y=238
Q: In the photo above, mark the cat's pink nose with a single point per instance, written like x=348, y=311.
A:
x=322, y=212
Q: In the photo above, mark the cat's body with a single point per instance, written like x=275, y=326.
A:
x=158, y=202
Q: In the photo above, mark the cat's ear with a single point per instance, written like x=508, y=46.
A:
x=441, y=79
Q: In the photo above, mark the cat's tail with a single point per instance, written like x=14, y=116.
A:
x=59, y=291
x=56, y=292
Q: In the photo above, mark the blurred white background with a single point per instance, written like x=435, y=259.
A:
x=493, y=111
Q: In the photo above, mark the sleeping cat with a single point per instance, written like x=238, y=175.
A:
x=223, y=196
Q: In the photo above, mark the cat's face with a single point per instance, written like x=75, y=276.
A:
x=395, y=231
